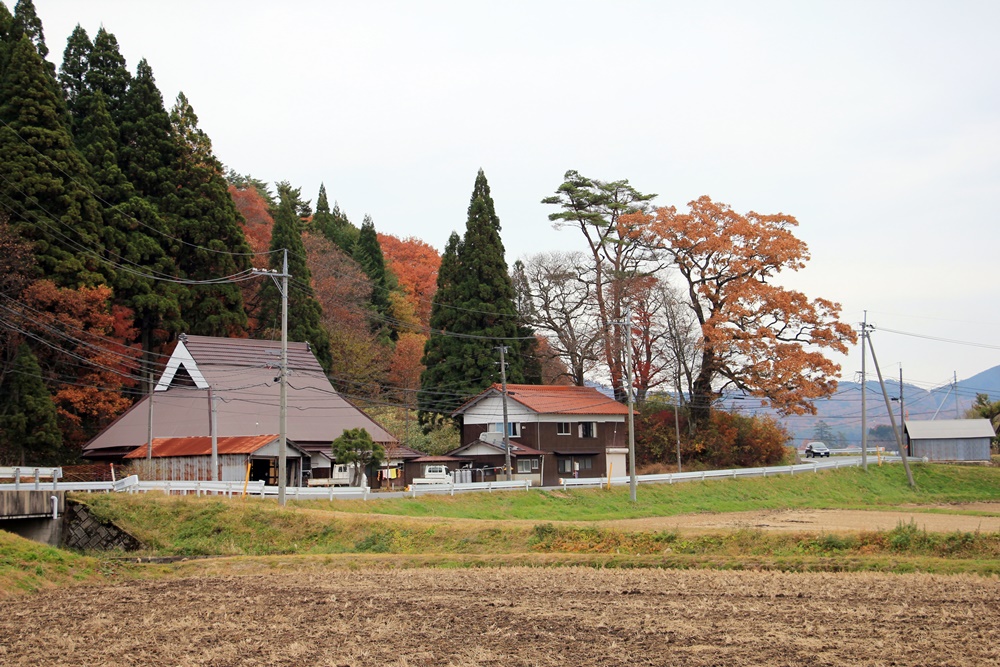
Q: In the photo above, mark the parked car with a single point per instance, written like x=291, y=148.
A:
x=817, y=449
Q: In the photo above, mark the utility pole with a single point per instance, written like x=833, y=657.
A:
x=149, y=425
x=864, y=396
x=282, y=372
x=677, y=420
x=631, y=409
x=902, y=414
x=215, y=434
x=892, y=418
x=506, y=427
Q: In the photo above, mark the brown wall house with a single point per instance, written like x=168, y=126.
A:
x=573, y=430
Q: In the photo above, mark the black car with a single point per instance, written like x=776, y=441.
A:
x=816, y=449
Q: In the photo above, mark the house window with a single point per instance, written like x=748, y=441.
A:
x=524, y=465
x=588, y=429
x=562, y=428
x=534, y=464
x=586, y=462
x=513, y=428
x=565, y=466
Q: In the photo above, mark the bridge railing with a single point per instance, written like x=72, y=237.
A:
x=34, y=475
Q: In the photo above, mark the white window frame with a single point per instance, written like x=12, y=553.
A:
x=567, y=431
x=523, y=466
x=593, y=427
x=514, y=428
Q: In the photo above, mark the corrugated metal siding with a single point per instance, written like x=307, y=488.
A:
x=952, y=449
x=233, y=468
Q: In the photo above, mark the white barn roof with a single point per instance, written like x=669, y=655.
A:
x=949, y=428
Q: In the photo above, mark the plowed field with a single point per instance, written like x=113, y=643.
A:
x=511, y=616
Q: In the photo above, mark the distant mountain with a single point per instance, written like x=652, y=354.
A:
x=841, y=414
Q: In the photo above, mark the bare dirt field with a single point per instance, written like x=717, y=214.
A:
x=944, y=519
x=511, y=617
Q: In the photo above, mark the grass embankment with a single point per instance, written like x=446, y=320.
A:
x=533, y=528
x=849, y=488
x=555, y=527
x=27, y=566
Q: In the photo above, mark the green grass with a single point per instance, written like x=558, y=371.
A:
x=27, y=566
x=535, y=528
x=848, y=488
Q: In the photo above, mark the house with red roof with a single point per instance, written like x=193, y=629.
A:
x=555, y=431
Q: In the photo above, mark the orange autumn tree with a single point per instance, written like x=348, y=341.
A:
x=86, y=353
x=415, y=265
x=757, y=337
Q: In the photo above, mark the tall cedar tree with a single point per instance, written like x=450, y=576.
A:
x=304, y=311
x=106, y=72
x=201, y=213
x=72, y=74
x=29, y=428
x=131, y=234
x=146, y=153
x=334, y=225
x=43, y=177
x=368, y=254
x=473, y=314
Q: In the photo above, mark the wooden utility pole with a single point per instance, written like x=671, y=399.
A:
x=892, y=418
x=864, y=396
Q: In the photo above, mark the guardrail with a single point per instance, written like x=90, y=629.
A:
x=501, y=485
x=670, y=478
x=35, y=474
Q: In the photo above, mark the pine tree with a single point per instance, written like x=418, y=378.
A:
x=201, y=213
x=29, y=428
x=43, y=178
x=368, y=254
x=475, y=313
x=303, y=309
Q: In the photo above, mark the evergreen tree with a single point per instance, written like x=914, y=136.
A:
x=303, y=309
x=29, y=428
x=461, y=355
x=43, y=178
x=131, y=234
x=368, y=254
x=334, y=224
x=106, y=72
x=201, y=213
x=146, y=153
x=441, y=360
x=73, y=72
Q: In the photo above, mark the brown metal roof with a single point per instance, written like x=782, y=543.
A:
x=555, y=399
x=247, y=401
x=202, y=446
x=245, y=352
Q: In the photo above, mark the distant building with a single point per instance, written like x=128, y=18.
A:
x=242, y=377
x=565, y=431
x=950, y=439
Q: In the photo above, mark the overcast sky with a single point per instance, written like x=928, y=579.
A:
x=876, y=124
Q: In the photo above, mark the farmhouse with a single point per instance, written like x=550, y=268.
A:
x=566, y=431
x=240, y=457
x=236, y=382
x=950, y=439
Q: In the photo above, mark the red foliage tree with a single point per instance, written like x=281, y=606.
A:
x=415, y=265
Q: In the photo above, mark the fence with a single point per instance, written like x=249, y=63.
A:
x=16, y=473
x=451, y=487
x=670, y=478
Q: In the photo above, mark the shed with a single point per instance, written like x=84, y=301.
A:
x=190, y=458
x=950, y=439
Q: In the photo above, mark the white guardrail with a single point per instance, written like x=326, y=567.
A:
x=132, y=484
x=452, y=487
x=670, y=478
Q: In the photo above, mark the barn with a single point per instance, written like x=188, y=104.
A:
x=950, y=439
x=240, y=458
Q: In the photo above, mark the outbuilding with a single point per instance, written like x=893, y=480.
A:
x=240, y=458
x=950, y=439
